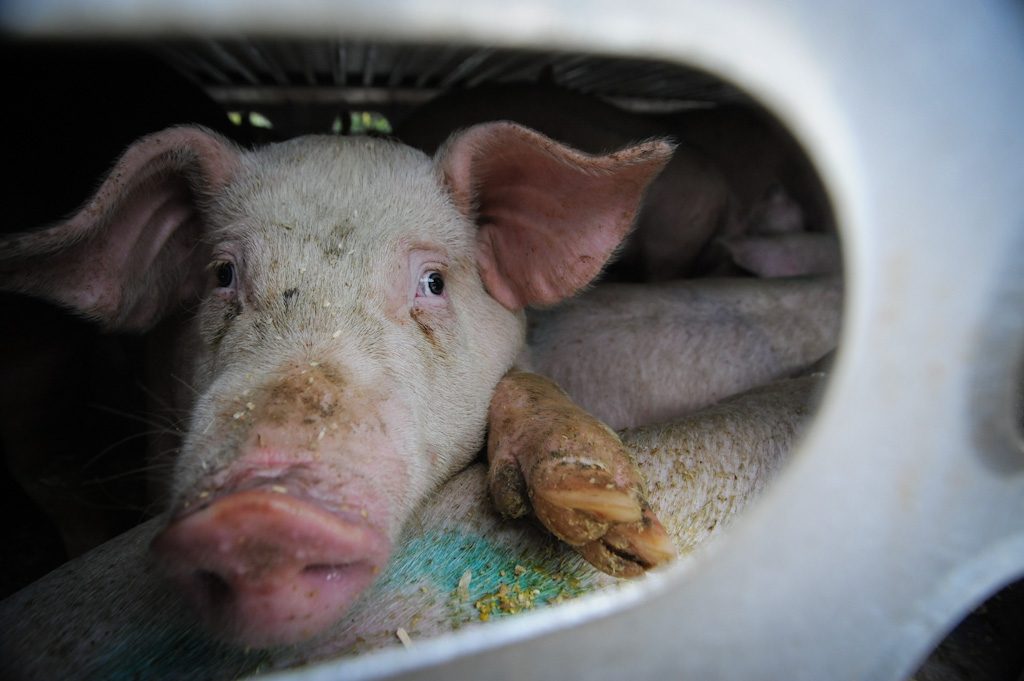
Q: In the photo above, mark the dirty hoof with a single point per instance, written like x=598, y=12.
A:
x=630, y=549
x=547, y=455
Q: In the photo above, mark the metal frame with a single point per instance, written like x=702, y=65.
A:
x=904, y=505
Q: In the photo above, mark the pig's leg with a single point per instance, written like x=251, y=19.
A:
x=546, y=453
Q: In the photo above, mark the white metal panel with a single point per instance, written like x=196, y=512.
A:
x=903, y=507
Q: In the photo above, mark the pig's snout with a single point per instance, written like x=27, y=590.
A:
x=266, y=568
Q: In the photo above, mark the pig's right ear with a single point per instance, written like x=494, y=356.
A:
x=549, y=217
x=133, y=252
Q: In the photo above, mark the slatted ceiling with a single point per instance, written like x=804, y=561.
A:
x=293, y=87
x=226, y=64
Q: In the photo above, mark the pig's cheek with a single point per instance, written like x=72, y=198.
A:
x=215, y=319
x=201, y=456
x=435, y=324
x=216, y=430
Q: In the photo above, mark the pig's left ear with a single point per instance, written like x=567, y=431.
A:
x=134, y=252
x=549, y=216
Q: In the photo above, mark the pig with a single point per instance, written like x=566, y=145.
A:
x=775, y=186
x=785, y=255
x=459, y=564
x=345, y=309
x=673, y=347
x=783, y=226
x=735, y=172
x=774, y=243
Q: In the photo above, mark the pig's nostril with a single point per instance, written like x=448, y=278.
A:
x=216, y=592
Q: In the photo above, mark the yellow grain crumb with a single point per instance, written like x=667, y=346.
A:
x=403, y=636
x=508, y=600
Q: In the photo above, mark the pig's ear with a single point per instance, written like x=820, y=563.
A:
x=133, y=251
x=549, y=216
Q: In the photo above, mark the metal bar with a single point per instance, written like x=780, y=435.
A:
x=406, y=57
x=341, y=64
x=499, y=67
x=444, y=57
x=320, y=95
x=224, y=56
x=270, y=66
x=467, y=66
x=188, y=63
x=369, y=63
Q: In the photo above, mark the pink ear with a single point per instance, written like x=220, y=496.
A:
x=132, y=252
x=549, y=216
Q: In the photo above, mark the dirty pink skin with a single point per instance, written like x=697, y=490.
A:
x=355, y=304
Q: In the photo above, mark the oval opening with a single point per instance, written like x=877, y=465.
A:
x=730, y=283
x=983, y=645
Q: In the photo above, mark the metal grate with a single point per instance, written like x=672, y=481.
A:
x=354, y=72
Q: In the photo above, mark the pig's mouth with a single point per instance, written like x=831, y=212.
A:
x=264, y=567
x=312, y=483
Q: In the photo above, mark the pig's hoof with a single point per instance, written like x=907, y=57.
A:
x=629, y=549
x=549, y=456
x=579, y=500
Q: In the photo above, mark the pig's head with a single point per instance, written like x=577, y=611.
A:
x=354, y=303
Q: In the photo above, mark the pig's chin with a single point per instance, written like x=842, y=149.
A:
x=262, y=568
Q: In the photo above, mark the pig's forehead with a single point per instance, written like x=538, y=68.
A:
x=342, y=187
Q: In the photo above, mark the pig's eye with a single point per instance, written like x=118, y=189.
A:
x=225, y=274
x=431, y=284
